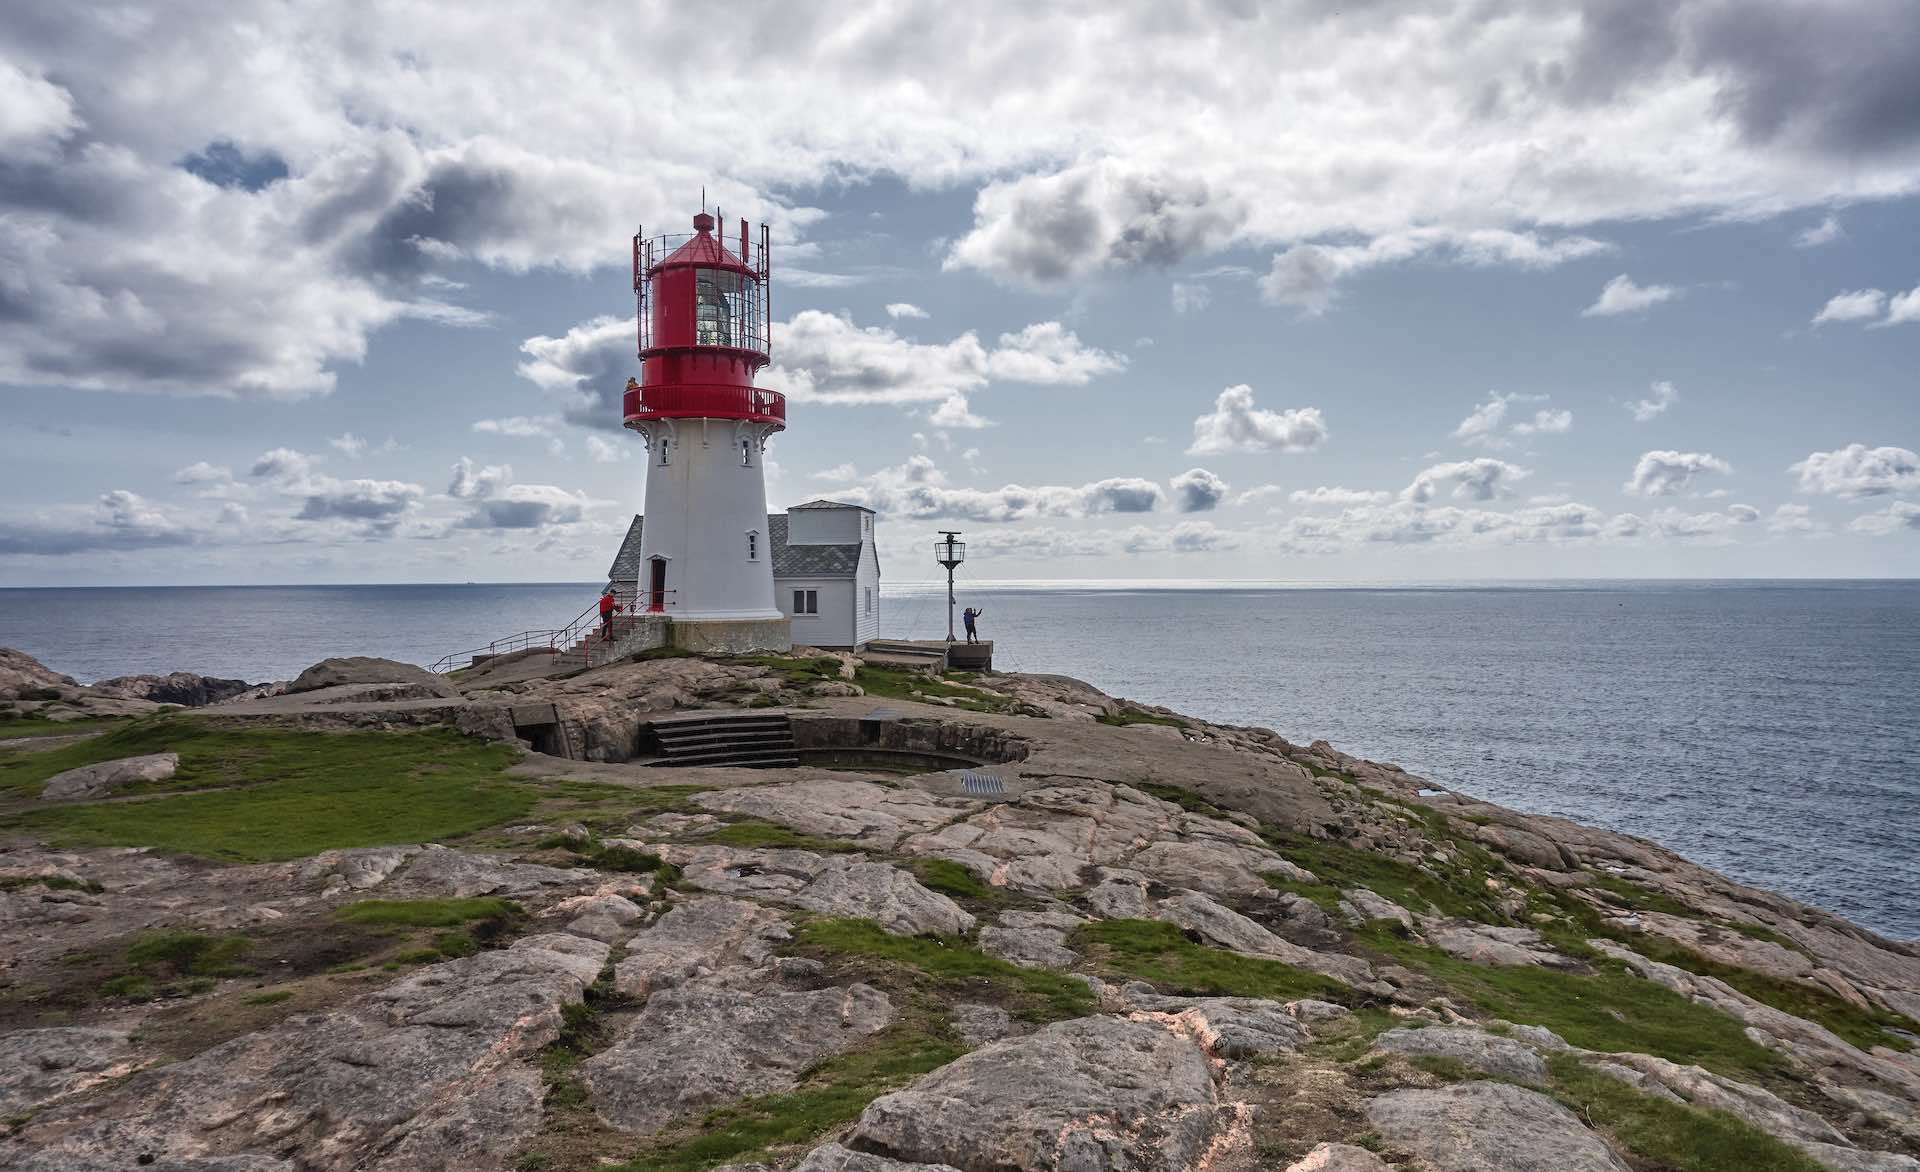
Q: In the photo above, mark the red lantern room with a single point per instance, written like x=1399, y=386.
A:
x=703, y=314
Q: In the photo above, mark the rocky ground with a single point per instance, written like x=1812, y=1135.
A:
x=312, y=927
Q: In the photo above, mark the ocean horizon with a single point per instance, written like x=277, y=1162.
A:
x=1768, y=728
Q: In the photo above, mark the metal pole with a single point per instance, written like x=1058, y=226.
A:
x=949, y=602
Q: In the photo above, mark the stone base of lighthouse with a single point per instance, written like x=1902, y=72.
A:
x=731, y=636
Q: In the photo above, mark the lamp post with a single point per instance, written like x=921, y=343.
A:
x=949, y=553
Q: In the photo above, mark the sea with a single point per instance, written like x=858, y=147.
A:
x=1768, y=729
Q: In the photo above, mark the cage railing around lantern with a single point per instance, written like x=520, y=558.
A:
x=705, y=401
x=749, y=305
x=949, y=551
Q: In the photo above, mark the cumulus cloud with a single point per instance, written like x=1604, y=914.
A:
x=1485, y=423
x=1326, y=496
x=1197, y=491
x=349, y=444
x=1655, y=405
x=473, y=482
x=525, y=506
x=1898, y=517
x=919, y=490
x=1859, y=471
x=1305, y=277
x=1236, y=425
x=1903, y=308
x=1480, y=479
x=905, y=309
x=605, y=451
x=1792, y=520
x=201, y=472
x=1667, y=473
x=1621, y=295
x=1825, y=232
x=1859, y=305
x=1190, y=297
x=585, y=369
x=245, y=230
x=118, y=520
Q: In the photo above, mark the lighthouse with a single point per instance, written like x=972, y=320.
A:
x=705, y=558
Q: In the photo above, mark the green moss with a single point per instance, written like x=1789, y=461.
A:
x=765, y=835
x=188, y=954
x=952, y=964
x=794, y=671
x=455, y=944
x=417, y=956
x=425, y=913
x=899, y=684
x=1326, y=898
x=1607, y=1009
x=16, y=726
x=293, y=793
x=950, y=878
x=52, y=882
x=1460, y=890
x=1184, y=798
x=832, y=1094
x=1160, y=952
x=1637, y=897
x=270, y=997
x=1672, y=1135
x=1127, y=716
x=621, y=858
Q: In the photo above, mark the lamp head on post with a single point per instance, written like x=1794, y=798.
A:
x=949, y=552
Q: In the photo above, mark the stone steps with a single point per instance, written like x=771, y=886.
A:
x=753, y=740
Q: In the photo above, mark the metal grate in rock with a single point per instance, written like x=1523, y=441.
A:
x=983, y=784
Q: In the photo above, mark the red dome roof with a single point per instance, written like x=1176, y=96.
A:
x=704, y=249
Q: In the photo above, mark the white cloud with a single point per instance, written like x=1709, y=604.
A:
x=525, y=506
x=519, y=426
x=957, y=413
x=1236, y=425
x=605, y=451
x=1257, y=493
x=1305, y=277
x=1049, y=354
x=918, y=490
x=839, y=473
x=1903, y=308
x=1326, y=496
x=202, y=472
x=1621, y=295
x=1483, y=424
x=1190, y=297
x=1197, y=491
x=471, y=482
x=1645, y=410
x=1825, y=232
x=1667, y=473
x=349, y=444
x=903, y=309
x=1791, y=520
x=1859, y=471
x=1859, y=305
x=1481, y=479
x=1900, y=516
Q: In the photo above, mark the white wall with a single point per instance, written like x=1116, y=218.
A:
x=700, y=505
x=833, y=626
x=823, y=526
x=866, y=625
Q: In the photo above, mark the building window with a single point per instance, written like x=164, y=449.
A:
x=806, y=602
x=869, y=591
x=753, y=545
x=663, y=444
x=746, y=453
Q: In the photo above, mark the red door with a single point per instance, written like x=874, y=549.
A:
x=657, y=589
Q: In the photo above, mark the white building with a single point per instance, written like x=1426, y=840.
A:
x=826, y=572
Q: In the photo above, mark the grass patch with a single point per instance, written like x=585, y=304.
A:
x=270, y=997
x=1184, y=798
x=794, y=671
x=900, y=684
x=299, y=792
x=756, y=835
x=52, y=882
x=1127, y=716
x=425, y=913
x=1160, y=952
x=171, y=964
x=1673, y=1135
x=1036, y=994
x=831, y=1094
x=1325, y=897
x=1608, y=1009
x=1457, y=891
x=39, y=726
x=1632, y=895
x=950, y=878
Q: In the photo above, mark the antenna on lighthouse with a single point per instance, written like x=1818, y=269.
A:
x=949, y=553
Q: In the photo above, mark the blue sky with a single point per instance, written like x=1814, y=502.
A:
x=1214, y=290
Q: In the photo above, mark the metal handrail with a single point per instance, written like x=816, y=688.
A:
x=519, y=642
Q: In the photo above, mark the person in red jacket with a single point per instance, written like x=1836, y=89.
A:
x=609, y=605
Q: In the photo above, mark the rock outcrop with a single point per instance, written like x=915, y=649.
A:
x=97, y=781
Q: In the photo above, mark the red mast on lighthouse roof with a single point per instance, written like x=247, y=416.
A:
x=702, y=328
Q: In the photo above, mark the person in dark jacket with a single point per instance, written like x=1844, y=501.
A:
x=967, y=617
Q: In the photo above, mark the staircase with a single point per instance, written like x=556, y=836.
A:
x=751, y=740
x=927, y=656
x=592, y=649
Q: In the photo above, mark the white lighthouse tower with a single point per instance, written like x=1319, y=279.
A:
x=705, y=559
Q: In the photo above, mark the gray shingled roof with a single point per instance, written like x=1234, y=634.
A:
x=827, y=504
x=808, y=561
x=789, y=561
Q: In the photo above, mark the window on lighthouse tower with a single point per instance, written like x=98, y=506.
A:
x=714, y=292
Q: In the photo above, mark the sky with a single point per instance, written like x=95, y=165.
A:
x=1199, y=289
